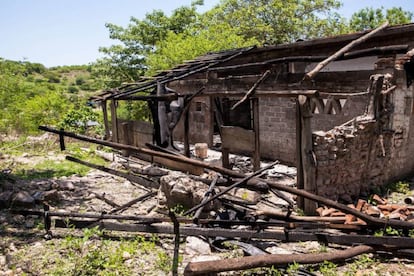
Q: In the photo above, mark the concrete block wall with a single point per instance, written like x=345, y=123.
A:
x=352, y=107
x=277, y=128
x=402, y=123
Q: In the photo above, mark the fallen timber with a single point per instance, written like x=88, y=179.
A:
x=206, y=267
x=278, y=230
x=372, y=221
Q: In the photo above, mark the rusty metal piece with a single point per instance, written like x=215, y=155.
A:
x=132, y=202
x=206, y=267
x=207, y=195
x=409, y=200
x=105, y=199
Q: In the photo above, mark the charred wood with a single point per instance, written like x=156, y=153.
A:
x=310, y=75
x=148, y=184
x=203, y=268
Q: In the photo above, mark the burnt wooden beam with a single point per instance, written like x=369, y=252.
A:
x=262, y=93
x=105, y=199
x=310, y=75
x=307, y=157
x=142, y=181
x=384, y=50
x=252, y=89
x=270, y=62
x=164, y=97
x=207, y=195
x=249, y=262
x=256, y=129
x=114, y=120
x=105, y=119
x=280, y=235
x=132, y=202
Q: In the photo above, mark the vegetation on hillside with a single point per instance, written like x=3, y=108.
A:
x=33, y=95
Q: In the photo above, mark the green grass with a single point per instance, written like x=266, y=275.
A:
x=48, y=166
x=88, y=252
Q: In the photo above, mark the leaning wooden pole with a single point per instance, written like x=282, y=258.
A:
x=338, y=54
x=330, y=203
x=207, y=267
x=306, y=154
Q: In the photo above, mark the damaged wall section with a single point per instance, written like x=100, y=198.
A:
x=360, y=156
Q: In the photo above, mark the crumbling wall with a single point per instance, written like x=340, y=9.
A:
x=352, y=160
x=361, y=156
x=278, y=123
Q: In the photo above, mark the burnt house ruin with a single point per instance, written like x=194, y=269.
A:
x=339, y=108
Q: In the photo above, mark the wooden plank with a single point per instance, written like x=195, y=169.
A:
x=237, y=139
x=299, y=167
x=187, y=133
x=105, y=118
x=308, y=164
x=114, y=120
x=256, y=129
x=310, y=75
x=176, y=165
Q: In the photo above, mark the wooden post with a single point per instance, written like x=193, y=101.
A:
x=187, y=133
x=256, y=154
x=114, y=120
x=225, y=158
x=299, y=168
x=307, y=157
x=126, y=138
x=105, y=118
x=375, y=90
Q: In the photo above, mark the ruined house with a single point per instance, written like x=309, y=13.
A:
x=348, y=129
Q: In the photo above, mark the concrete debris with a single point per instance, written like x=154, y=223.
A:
x=179, y=190
x=196, y=246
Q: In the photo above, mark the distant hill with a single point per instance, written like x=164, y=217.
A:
x=32, y=94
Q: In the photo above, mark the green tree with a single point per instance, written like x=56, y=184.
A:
x=176, y=48
x=370, y=18
x=125, y=62
x=160, y=41
x=274, y=21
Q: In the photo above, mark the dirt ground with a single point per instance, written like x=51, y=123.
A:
x=26, y=250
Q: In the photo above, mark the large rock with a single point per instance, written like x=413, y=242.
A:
x=196, y=246
x=23, y=199
x=179, y=189
x=5, y=199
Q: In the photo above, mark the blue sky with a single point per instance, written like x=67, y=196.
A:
x=67, y=32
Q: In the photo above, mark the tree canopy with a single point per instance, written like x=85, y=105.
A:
x=159, y=41
x=370, y=18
